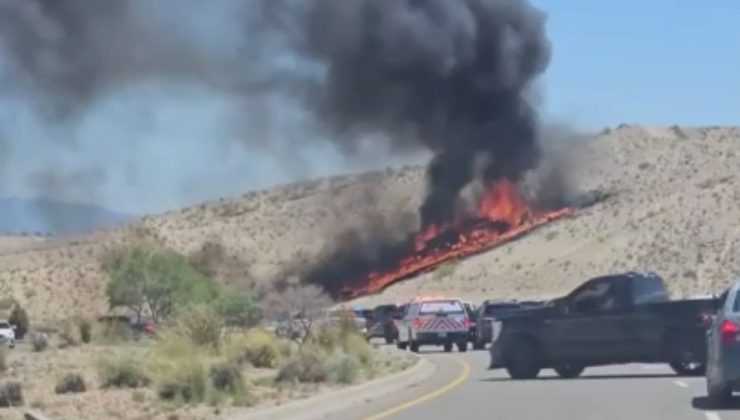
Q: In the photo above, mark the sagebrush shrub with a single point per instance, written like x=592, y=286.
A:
x=342, y=368
x=122, y=372
x=70, y=383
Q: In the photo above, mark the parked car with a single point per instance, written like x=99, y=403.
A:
x=723, y=349
x=7, y=334
x=621, y=318
x=434, y=321
x=383, y=324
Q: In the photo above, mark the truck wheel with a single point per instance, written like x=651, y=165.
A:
x=522, y=360
x=388, y=340
x=402, y=346
x=569, y=370
x=414, y=346
x=462, y=346
x=448, y=347
x=687, y=368
x=478, y=345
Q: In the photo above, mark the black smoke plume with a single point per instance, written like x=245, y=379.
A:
x=452, y=76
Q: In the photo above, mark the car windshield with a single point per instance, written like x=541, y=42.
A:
x=4, y=325
x=444, y=306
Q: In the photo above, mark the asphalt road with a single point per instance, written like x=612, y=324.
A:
x=462, y=388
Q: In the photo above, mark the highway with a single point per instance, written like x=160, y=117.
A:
x=462, y=388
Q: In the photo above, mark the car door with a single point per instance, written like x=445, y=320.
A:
x=593, y=324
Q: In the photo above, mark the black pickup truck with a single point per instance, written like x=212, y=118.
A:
x=622, y=318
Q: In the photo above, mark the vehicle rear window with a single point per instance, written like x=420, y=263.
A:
x=444, y=306
x=647, y=289
x=499, y=308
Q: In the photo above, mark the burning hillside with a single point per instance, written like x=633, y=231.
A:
x=502, y=215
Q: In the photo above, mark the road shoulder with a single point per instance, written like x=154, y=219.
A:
x=324, y=405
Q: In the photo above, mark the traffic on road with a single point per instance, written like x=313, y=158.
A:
x=618, y=332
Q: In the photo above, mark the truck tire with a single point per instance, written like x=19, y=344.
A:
x=522, y=360
x=569, y=370
x=682, y=359
x=448, y=347
x=414, y=346
x=478, y=345
x=388, y=340
x=402, y=346
x=462, y=346
x=685, y=368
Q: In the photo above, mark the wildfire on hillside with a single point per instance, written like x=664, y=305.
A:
x=502, y=215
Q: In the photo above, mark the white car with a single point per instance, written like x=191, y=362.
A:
x=7, y=334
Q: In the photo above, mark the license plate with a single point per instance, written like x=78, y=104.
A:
x=442, y=335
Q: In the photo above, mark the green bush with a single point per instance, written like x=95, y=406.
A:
x=201, y=325
x=257, y=347
x=306, y=366
x=328, y=337
x=342, y=368
x=3, y=360
x=70, y=383
x=357, y=346
x=122, y=372
x=19, y=318
x=157, y=280
x=179, y=368
x=238, y=310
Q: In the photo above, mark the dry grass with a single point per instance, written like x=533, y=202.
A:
x=677, y=212
x=170, y=377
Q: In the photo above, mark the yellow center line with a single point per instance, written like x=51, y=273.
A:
x=464, y=373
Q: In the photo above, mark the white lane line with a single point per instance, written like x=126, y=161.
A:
x=712, y=415
x=682, y=384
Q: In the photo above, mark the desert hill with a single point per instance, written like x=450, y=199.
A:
x=676, y=211
x=53, y=217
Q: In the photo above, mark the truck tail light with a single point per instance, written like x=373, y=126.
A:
x=729, y=331
x=416, y=324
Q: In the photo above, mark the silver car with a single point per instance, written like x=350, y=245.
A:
x=723, y=349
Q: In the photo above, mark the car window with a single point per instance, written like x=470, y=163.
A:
x=647, y=289
x=597, y=296
x=444, y=306
x=4, y=325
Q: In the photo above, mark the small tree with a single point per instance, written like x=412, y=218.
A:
x=19, y=319
x=157, y=281
x=238, y=310
x=300, y=303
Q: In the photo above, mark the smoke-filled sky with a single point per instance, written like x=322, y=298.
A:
x=165, y=107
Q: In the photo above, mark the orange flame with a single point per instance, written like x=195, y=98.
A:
x=502, y=215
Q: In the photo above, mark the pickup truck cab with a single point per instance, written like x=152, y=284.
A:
x=621, y=318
